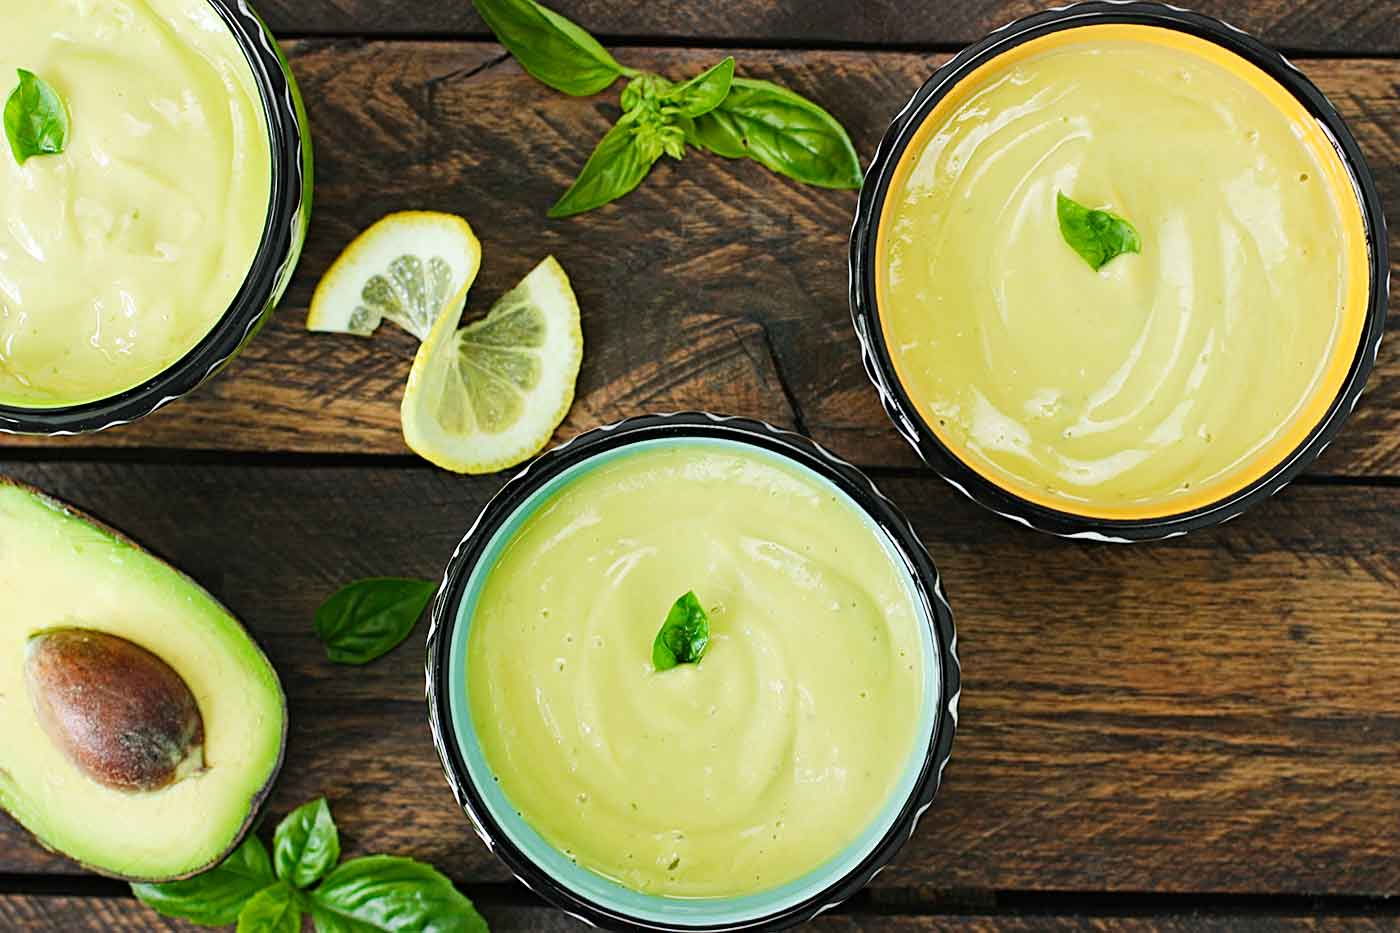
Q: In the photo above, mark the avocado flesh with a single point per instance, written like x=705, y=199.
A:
x=59, y=569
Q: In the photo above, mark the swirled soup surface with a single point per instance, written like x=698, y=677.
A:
x=1164, y=380
x=120, y=254
x=721, y=778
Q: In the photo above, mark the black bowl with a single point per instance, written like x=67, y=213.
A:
x=288, y=214
x=518, y=492
x=905, y=414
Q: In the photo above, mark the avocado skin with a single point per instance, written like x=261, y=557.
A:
x=260, y=797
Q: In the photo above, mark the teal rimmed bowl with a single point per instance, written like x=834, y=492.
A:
x=548, y=871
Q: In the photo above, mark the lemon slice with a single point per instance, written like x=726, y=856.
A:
x=405, y=268
x=489, y=395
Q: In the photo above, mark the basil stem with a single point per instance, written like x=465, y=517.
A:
x=550, y=47
x=783, y=131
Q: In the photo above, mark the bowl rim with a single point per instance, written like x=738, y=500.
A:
x=875, y=354
x=267, y=278
x=924, y=579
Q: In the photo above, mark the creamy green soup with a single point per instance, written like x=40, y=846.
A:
x=1165, y=379
x=717, y=779
x=120, y=254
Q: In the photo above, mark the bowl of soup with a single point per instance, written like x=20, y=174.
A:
x=1119, y=271
x=750, y=789
x=138, y=260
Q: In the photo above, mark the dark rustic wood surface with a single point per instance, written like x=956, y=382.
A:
x=1196, y=735
x=736, y=303
x=1134, y=719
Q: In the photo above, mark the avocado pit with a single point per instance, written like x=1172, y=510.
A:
x=122, y=715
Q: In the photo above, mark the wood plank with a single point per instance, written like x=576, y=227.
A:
x=1344, y=26
x=717, y=285
x=119, y=914
x=1214, y=714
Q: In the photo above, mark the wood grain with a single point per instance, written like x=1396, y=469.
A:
x=1214, y=714
x=120, y=915
x=1345, y=26
x=716, y=285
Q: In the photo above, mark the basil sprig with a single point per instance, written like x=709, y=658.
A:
x=363, y=895
x=648, y=129
x=1097, y=236
x=369, y=618
x=684, y=635
x=36, y=121
x=715, y=111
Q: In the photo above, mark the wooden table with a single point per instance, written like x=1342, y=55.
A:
x=1199, y=733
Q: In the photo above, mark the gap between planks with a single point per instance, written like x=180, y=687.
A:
x=165, y=456
x=891, y=903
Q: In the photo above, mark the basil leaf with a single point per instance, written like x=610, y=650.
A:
x=684, y=635
x=551, y=48
x=704, y=92
x=368, y=618
x=274, y=910
x=307, y=844
x=1097, y=236
x=36, y=122
x=617, y=165
x=216, y=897
x=381, y=892
x=781, y=130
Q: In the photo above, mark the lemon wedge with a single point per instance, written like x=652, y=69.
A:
x=487, y=396
x=479, y=398
x=404, y=268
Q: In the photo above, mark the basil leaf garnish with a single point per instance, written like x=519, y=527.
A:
x=216, y=897
x=550, y=47
x=381, y=892
x=704, y=92
x=306, y=845
x=684, y=635
x=1097, y=236
x=36, y=121
x=783, y=131
x=618, y=164
x=272, y=910
x=369, y=618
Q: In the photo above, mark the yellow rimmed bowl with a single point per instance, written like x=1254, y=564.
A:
x=971, y=445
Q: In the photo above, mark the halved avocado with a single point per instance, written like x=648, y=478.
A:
x=141, y=727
